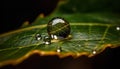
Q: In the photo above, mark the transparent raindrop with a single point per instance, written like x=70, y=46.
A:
x=47, y=40
x=38, y=37
x=54, y=37
x=58, y=27
x=59, y=49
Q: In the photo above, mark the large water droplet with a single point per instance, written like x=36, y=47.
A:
x=58, y=27
x=38, y=36
x=47, y=40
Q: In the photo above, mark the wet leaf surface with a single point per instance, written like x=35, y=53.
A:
x=90, y=34
x=84, y=38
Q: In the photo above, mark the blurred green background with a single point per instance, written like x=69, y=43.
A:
x=91, y=6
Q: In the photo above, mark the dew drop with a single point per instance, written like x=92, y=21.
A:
x=47, y=40
x=94, y=52
x=58, y=28
x=118, y=28
x=54, y=37
x=59, y=49
x=38, y=37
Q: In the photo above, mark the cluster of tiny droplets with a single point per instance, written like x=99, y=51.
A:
x=46, y=39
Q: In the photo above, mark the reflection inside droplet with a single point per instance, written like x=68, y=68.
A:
x=38, y=37
x=59, y=49
x=117, y=28
x=47, y=40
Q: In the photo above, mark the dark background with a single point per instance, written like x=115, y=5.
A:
x=15, y=12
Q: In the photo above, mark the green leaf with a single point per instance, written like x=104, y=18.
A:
x=85, y=38
x=90, y=34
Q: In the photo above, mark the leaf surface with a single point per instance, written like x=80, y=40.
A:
x=85, y=38
x=90, y=34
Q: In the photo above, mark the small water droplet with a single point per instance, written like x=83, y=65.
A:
x=54, y=37
x=58, y=27
x=118, y=28
x=38, y=37
x=47, y=40
x=59, y=49
x=94, y=52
